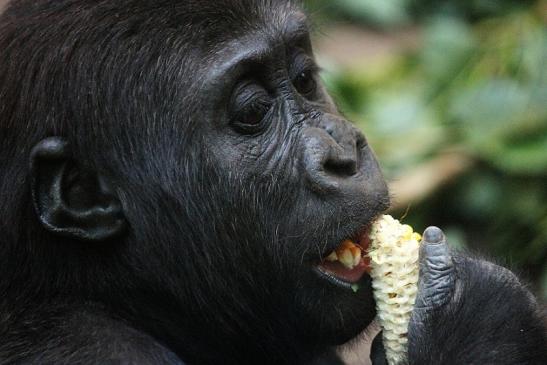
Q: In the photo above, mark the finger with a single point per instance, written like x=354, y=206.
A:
x=437, y=276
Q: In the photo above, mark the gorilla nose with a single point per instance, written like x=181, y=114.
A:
x=333, y=152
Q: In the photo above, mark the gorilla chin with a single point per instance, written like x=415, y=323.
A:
x=340, y=304
x=332, y=313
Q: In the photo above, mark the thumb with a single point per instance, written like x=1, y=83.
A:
x=435, y=285
x=437, y=276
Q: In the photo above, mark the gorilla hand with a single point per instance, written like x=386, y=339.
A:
x=470, y=311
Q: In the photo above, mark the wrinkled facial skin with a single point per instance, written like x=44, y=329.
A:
x=300, y=179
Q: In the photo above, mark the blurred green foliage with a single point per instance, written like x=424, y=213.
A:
x=394, y=13
x=477, y=83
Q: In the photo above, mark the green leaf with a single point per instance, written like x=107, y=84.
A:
x=403, y=129
x=528, y=157
x=383, y=13
x=448, y=44
x=486, y=108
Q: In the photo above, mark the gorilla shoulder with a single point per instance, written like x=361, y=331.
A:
x=77, y=335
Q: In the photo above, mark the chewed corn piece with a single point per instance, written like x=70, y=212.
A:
x=347, y=253
x=394, y=253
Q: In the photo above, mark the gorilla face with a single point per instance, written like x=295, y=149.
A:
x=284, y=180
x=257, y=181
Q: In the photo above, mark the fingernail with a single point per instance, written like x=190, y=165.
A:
x=433, y=234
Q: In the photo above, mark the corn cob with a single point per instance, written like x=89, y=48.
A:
x=394, y=252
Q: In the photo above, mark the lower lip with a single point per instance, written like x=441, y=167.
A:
x=343, y=274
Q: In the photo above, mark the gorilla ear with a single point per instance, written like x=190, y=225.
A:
x=71, y=202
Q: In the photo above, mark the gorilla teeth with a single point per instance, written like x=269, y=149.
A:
x=348, y=254
x=332, y=257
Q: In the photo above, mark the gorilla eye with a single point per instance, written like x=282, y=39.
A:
x=305, y=83
x=250, y=105
x=254, y=114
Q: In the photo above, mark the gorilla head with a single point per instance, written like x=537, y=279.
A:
x=179, y=163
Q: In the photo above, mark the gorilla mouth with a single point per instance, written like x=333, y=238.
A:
x=347, y=264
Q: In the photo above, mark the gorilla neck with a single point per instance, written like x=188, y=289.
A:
x=248, y=340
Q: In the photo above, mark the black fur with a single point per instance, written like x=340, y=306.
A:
x=492, y=319
x=225, y=217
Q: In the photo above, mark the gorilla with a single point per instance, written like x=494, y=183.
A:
x=172, y=175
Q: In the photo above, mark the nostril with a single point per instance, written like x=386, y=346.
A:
x=330, y=131
x=342, y=167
